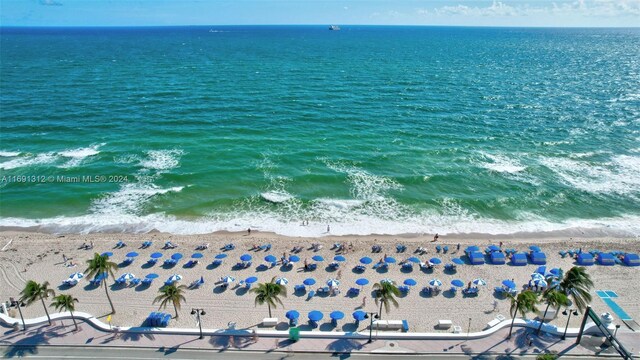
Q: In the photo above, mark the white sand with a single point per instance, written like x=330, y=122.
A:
x=39, y=257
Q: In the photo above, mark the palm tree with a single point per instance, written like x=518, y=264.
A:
x=34, y=291
x=576, y=284
x=384, y=293
x=269, y=293
x=99, y=265
x=171, y=293
x=553, y=298
x=523, y=303
x=66, y=303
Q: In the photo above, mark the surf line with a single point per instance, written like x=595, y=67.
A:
x=5, y=247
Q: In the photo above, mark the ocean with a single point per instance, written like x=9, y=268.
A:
x=371, y=130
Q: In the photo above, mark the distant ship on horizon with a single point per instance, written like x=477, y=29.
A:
x=334, y=27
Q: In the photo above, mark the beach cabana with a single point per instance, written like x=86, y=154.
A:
x=519, y=259
x=631, y=260
x=538, y=258
x=497, y=258
x=476, y=258
x=585, y=259
x=606, y=259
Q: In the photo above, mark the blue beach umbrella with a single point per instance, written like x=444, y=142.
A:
x=386, y=280
x=197, y=256
x=228, y=279
x=339, y=258
x=292, y=314
x=362, y=282
x=457, y=283
x=173, y=278
x=294, y=258
x=107, y=253
x=246, y=257
x=479, y=282
x=156, y=255
x=435, y=282
x=282, y=281
x=537, y=276
x=132, y=254
x=317, y=258
x=534, y=248
x=435, y=261
x=366, y=260
x=510, y=284
x=309, y=281
x=152, y=276
x=221, y=256
x=555, y=272
x=410, y=282
x=76, y=276
x=336, y=315
x=389, y=260
x=315, y=315
x=414, y=260
x=333, y=282
x=127, y=276
x=251, y=280
x=270, y=258
x=494, y=248
x=176, y=256
x=359, y=315
x=457, y=261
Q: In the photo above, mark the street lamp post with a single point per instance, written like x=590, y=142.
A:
x=469, y=328
x=197, y=312
x=372, y=315
x=24, y=325
x=616, y=332
x=568, y=312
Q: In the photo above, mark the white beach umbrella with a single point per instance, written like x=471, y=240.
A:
x=537, y=276
x=386, y=280
x=282, y=281
x=333, y=283
x=228, y=279
x=173, y=278
x=541, y=282
x=479, y=282
x=76, y=276
x=435, y=282
x=127, y=276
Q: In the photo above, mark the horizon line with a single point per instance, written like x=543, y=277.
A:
x=317, y=25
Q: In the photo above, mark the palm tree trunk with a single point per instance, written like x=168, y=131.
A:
x=269, y=306
x=74, y=320
x=45, y=310
x=513, y=315
x=543, y=317
x=380, y=311
x=106, y=290
x=176, y=309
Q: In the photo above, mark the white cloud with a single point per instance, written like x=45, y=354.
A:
x=590, y=8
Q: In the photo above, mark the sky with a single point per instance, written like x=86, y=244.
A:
x=556, y=13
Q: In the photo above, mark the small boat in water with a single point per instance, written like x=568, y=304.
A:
x=334, y=27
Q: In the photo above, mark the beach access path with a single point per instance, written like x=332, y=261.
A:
x=38, y=341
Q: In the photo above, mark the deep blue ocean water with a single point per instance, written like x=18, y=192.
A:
x=370, y=129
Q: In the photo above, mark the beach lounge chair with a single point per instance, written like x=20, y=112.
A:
x=146, y=281
x=519, y=259
x=438, y=248
x=497, y=258
x=95, y=282
x=311, y=294
x=631, y=260
x=216, y=262
x=585, y=259
x=152, y=261
x=323, y=290
x=403, y=289
x=120, y=281
x=120, y=244
x=135, y=282
x=407, y=266
x=299, y=288
x=353, y=292
x=606, y=259
x=445, y=249
x=360, y=268
x=334, y=265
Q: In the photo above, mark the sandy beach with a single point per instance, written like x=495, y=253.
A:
x=38, y=256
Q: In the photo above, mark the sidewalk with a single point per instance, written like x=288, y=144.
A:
x=61, y=333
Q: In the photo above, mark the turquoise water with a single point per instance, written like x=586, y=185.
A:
x=370, y=129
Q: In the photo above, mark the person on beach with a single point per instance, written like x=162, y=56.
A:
x=339, y=274
x=328, y=228
x=500, y=244
x=249, y=231
x=364, y=301
x=306, y=265
x=458, y=247
x=64, y=259
x=435, y=238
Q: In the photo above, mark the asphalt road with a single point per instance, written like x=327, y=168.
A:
x=60, y=352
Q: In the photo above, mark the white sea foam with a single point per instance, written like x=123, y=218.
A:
x=30, y=160
x=130, y=199
x=161, y=159
x=619, y=176
x=502, y=163
x=78, y=155
x=364, y=185
x=9, y=153
x=627, y=226
x=340, y=203
x=276, y=196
